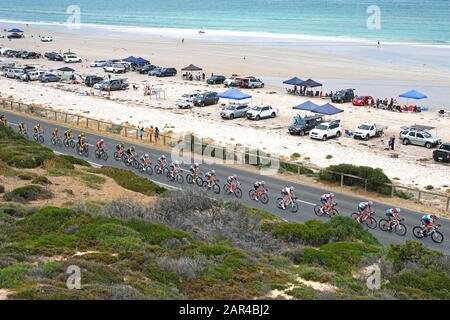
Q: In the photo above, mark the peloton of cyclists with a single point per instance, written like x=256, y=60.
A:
x=232, y=183
x=288, y=196
x=260, y=189
x=428, y=221
x=326, y=201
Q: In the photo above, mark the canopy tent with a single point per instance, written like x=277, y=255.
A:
x=234, y=94
x=191, y=67
x=310, y=83
x=308, y=106
x=66, y=69
x=413, y=94
x=327, y=109
x=15, y=30
x=141, y=60
x=294, y=81
x=130, y=59
x=419, y=127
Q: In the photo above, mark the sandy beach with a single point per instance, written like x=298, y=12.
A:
x=409, y=165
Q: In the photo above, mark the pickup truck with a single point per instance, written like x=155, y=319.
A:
x=186, y=100
x=262, y=111
x=443, y=153
x=115, y=68
x=326, y=130
x=369, y=130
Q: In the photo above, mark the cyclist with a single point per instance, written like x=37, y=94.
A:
x=37, y=129
x=131, y=152
x=326, y=200
x=145, y=160
x=392, y=215
x=428, y=221
x=174, y=168
x=288, y=196
x=68, y=134
x=211, y=178
x=22, y=127
x=364, y=208
x=82, y=142
x=162, y=162
x=232, y=182
x=55, y=133
x=260, y=188
x=100, y=145
x=195, y=170
x=120, y=149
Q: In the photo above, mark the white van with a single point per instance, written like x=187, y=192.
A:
x=32, y=75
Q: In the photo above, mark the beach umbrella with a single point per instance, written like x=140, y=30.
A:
x=294, y=81
x=327, y=109
x=15, y=30
x=307, y=106
x=413, y=94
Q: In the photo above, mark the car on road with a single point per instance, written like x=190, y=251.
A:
x=342, y=96
x=53, y=56
x=262, y=111
x=206, y=99
x=166, y=72
x=113, y=85
x=362, y=101
x=98, y=64
x=115, y=68
x=49, y=77
x=90, y=81
x=326, y=130
x=216, y=79
x=47, y=39
x=419, y=138
x=234, y=111
x=72, y=58
x=304, y=125
x=442, y=154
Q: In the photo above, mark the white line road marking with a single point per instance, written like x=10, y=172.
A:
x=306, y=202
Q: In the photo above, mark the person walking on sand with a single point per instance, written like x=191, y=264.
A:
x=151, y=131
x=141, y=132
x=156, y=135
x=382, y=138
x=392, y=143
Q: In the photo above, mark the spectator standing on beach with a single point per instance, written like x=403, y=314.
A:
x=156, y=135
x=382, y=138
x=392, y=142
x=203, y=76
x=141, y=132
x=151, y=131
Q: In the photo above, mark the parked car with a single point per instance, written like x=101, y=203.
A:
x=166, y=72
x=362, y=100
x=147, y=68
x=154, y=71
x=232, y=81
x=49, y=77
x=113, y=85
x=13, y=53
x=419, y=138
x=53, y=56
x=115, y=68
x=186, y=100
x=98, y=64
x=326, y=130
x=304, y=125
x=216, y=79
x=72, y=58
x=91, y=80
x=30, y=55
x=443, y=153
x=234, y=111
x=206, y=99
x=252, y=83
x=369, y=130
x=14, y=73
x=262, y=111
x=32, y=75
x=47, y=39
x=342, y=96
x=4, y=50
x=15, y=36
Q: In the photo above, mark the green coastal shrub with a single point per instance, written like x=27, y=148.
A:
x=375, y=177
x=28, y=193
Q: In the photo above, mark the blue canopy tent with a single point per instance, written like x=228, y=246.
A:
x=293, y=81
x=130, y=59
x=141, y=61
x=15, y=30
x=234, y=94
x=307, y=106
x=413, y=94
x=327, y=109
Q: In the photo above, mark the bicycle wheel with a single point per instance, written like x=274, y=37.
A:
x=317, y=210
x=72, y=144
x=66, y=143
x=334, y=212
x=215, y=187
x=117, y=156
x=437, y=237
x=400, y=229
x=251, y=194
x=417, y=232
x=149, y=170
x=199, y=181
x=41, y=139
x=264, y=198
x=170, y=177
x=179, y=178
x=294, y=207
x=384, y=224
x=104, y=156
x=354, y=216
x=136, y=164
x=371, y=223
x=279, y=203
x=226, y=189
x=238, y=193
x=86, y=153
x=157, y=169
x=189, y=179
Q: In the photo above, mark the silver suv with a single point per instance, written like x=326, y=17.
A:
x=419, y=138
x=234, y=111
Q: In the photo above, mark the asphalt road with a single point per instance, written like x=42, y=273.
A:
x=308, y=195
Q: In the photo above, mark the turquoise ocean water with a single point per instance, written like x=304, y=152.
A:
x=423, y=21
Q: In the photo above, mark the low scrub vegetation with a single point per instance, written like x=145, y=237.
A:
x=28, y=193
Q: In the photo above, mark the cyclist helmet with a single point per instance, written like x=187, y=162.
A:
x=146, y=155
x=163, y=157
x=370, y=203
x=397, y=210
x=434, y=217
x=176, y=163
x=263, y=182
x=196, y=164
x=332, y=195
x=234, y=176
x=292, y=188
x=101, y=140
x=213, y=171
